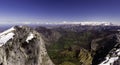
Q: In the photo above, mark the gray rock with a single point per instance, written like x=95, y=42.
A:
x=18, y=51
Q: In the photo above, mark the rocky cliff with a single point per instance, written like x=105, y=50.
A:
x=113, y=57
x=21, y=45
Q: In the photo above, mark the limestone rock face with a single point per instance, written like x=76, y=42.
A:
x=24, y=47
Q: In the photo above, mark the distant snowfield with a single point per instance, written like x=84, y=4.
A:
x=88, y=23
x=61, y=23
x=6, y=35
x=81, y=23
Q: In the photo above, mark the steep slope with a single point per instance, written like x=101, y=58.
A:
x=21, y=45
x=100, y=47
x=113, y=57
x=50, y=35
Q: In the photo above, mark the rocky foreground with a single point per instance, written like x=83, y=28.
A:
x=21, y=45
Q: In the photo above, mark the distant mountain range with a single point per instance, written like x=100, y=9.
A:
x=92, y=23
x=81, y=23
x=75, y=23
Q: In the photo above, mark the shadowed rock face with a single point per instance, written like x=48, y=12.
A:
x=101, y=47
x=113, y=57
x=107, y=51
x=25, y=48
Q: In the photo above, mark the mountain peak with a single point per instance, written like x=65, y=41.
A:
x=24, y=47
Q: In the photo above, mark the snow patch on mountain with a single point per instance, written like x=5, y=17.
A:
x=6, y=35
x=30, y=37
x=7, y=31
x=110, y=59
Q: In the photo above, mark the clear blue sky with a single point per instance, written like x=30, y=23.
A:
x=59, y=10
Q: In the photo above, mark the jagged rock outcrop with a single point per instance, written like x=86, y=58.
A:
x=113, y=57
x=100, y=47
x=21, y=45
x=106, y=50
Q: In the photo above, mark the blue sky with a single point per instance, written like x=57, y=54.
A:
x=59, y=10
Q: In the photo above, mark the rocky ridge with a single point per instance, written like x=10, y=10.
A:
x=25, y=47
x=113, y=57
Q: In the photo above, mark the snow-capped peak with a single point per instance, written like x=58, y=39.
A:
x=6, y=35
